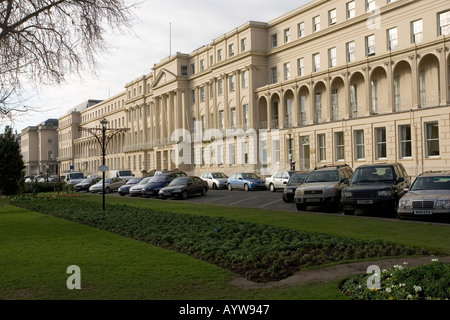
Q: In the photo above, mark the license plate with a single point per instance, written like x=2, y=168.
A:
x=313, y=200
x=423, y=212
x=364, y=201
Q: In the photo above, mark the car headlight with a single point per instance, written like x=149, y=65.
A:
x=405, y=203
x=298, y=192
x=346, y=194
x=288, y=190
x=443, y=204
x=176, y=190
x=384, y=193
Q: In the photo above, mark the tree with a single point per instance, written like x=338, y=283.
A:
x=11, y=163
x=43, y=41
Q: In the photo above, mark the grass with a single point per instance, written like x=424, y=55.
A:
x=37, y=249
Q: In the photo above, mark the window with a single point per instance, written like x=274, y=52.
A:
x=244, y=80
x=231, y=50
x=332, y=57
x=396, y=93
x=221, y=120
x=276, y=151
x=273, y=75
x=287, y=71
x=339, y=143
x=417, y=31
x=370, y=45
x=233, y=118
x=353, y=102
x=203, y=120
x=193, y=96
x=374, y=96
x=318, y=108
x=192, y=68
x=432, y=139
x=316, y=24
x=316, y=62
x=231, y=154
x=370, y=5
x=301, y=67
x=232, y=83
x=220, y=86
x=305, y=153
x=243, y=44
x=334, y=105
x=288, y=120
x=444, y=23
x=219, y=55
x=359, y=144
x=392, y=39
x=202, y=94
x=332, y=17
x=274, y=40
x=246, y=116
x=287, y=35
x=321, y=146
x=351, y=55
x=202, y=65
x=301, y=29
x=405, y=141
x=350, y=9
x=380, y=141
x=220, y=155
x=422, y=90
x=302, y=110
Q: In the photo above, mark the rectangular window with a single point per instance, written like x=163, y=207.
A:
x=301, y=67
x=321, y=147
x=219, y=55
x=202, y=94
x=432, y=139
x=370, y=5
x=220, y=154
x=230, y=50
x=232, y=83
x=305, y=153
x=287, y=71
x=274, y=75
x=351, y=55
x=276, y=151
x=350, y=9
x=334, y=105
x=287, y=35
x=392, y=39
x=244, y=147
x=353, y=102
x=192, y=68
x=332, y=17
x=405, y=141
x=417, y=31
x=339, y=143
x=244, y=79
x=233, y=118
x=184, y=71
x=332, y=57
x=202, y=65
x=318, y=108
x=374, y=96
x=359, y=144
x=302, y=110
x=246, y=116
x=231, y=154
x=221, y=120
x=301, y=29
x=370, y=45
x=274, y=40
x=316, y=24
x=243, y=44
x=422, y=89
x=444, y=23
x=193, y=96
x=316, y=62
x=396, y=93
x=380, y=141
x=220, y=86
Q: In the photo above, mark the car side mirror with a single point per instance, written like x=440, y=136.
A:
x=345, y=180
x=241, y=179
x=284, y=182
x=401, y=179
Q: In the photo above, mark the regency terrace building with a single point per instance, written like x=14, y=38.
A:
x=332, y=82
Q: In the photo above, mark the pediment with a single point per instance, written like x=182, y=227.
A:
x=164, y=76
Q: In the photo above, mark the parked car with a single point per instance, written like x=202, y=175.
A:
x=278, y=180
x=111, y=185
x=246, y=181
x=123, y=174
x=136, y=190
x=428, y=196
x=184, y=187
x=323, y=187
x=125, y=189
x=294, y=181
x=86, y=184
x=152, y=187
x=215, y=180
x=375, y=186
x=72, y=177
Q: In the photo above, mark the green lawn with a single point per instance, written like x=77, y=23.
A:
x=36, y=250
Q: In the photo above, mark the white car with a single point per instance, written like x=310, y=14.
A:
x=216, y=180
x=279, y=180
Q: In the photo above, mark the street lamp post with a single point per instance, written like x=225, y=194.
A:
x=106, y=135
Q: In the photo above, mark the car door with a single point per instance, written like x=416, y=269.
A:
x=402, y=181
x=239, y=182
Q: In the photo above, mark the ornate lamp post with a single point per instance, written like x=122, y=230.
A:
x=106, y=136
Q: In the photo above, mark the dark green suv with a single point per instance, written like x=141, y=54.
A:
x=375, y=186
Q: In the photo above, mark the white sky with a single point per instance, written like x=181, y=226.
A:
x=192, y=24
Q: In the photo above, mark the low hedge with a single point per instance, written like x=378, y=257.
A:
x=258, y=252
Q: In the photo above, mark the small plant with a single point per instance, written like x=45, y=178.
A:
x=430, y=282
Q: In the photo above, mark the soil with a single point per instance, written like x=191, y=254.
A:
x=335, y=272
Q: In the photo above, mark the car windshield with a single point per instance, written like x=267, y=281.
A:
x=77, y=175
x=180, y=181
x=145, y=180
x=373, y=174
x=158, y=178
x=249, y=176
x=323, y=176
x=134, y=181
x=431, y=183
x=219, y=175
x=107, y=180
x=87, y=180
x=297, y=178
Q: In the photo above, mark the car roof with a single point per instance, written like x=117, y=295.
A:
x=435, y=173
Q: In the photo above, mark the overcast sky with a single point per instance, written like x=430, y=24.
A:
x=189, y=25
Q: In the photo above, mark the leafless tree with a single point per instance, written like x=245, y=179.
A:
x=44, y=41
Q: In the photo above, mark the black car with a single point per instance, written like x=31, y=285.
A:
x=125, y=189
x=375, y=186
x=183, y=187
x=86, y=184
x=294, y=181
x=159, y=181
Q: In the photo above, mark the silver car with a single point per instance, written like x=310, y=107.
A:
x=278, y=180
x=111, y=185
x=216, y=180
x=428, y=196
x=136, y=190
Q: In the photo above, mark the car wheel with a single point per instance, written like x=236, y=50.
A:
x=230, y=187
x=107, y=190
x=122, y=194
x=185, y=195
x=272, y=187
x=284, y=198
x=214, y=186
x=204, y=190
x=246, y=187
x=300, y=207
x=349, y=212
